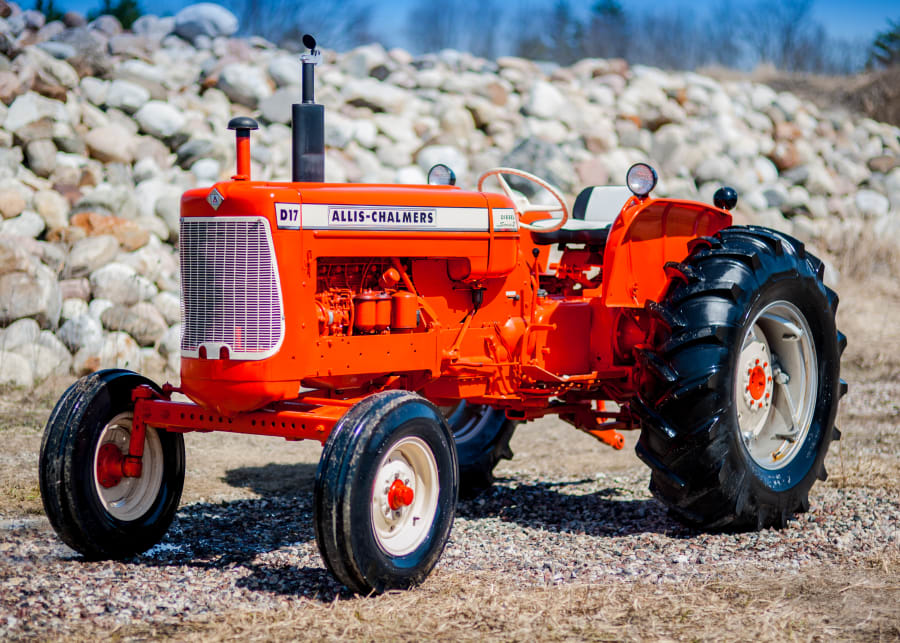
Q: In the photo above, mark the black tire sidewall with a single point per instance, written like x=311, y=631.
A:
x=807, y=295
x=374, y=563
x=110, y=536
x=472, y=442
x=479, y=447
x=345, y=485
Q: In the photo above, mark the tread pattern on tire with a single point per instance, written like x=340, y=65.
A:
x=336, y=490
x=685, y=437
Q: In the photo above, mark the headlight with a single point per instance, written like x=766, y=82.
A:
x=441, y=174
x=641, y=179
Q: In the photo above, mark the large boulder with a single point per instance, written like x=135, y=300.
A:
x=245, y=84
x=130, y=234
x=81, y=331
x=31, y=107
x=89, y=254
x=205, y=19
x=111, y=144
x=34, y=295
x=19, y=333
x=121, y=284
x=127, y=96
x=118, y=350
x=160, y=119
x=29, y=225
x=46, y=359
x=545, y=101
x=15, y=370
x=142, y=321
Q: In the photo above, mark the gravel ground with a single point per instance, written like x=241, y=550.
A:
x=567, y=516
x=258, y=554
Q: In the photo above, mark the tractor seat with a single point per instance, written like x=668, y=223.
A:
x=593, y=212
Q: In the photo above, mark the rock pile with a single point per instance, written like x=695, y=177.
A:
x=102, y=129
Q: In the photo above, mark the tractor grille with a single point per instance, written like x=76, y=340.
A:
x=229, y=288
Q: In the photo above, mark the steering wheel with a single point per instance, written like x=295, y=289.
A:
x=523, y=205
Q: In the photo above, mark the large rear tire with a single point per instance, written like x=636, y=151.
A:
x=482, y=437
x=94, y=509
x=739, y=412
x=385, y=493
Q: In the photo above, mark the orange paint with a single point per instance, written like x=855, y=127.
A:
x=757, y=384
x=420, y=287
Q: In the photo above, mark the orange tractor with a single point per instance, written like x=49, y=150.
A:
x=410, y=328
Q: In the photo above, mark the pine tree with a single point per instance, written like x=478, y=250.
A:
x=47, y=8
x=885, y=49
x=125, y=11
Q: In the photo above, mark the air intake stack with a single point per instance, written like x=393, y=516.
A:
x=308, y=122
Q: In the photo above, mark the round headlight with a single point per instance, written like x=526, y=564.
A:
x=641, y=179
x=441, y=174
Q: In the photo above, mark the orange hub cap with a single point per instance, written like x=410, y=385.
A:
x=757, y=384
x=399, y=495
x=109, y=465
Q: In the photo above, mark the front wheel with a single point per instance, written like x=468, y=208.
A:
x=96, y=510
x=385, y=493
x=740, y=413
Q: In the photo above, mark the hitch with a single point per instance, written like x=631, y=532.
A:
x=599, y=424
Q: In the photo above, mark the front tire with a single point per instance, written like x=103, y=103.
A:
x=739, y=415
x=385, y=493
x=95, y=510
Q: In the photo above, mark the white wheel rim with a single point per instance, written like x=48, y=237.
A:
x=400, y=531
x=131, y=498
x=776, y=381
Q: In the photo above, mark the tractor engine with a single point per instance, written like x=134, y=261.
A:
x=360, y=297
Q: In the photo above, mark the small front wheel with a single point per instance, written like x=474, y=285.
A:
x=385, y=493
x=95, y=509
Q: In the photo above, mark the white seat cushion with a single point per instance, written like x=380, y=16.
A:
x=604, y=204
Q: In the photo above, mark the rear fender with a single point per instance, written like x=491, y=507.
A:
x=644, y=237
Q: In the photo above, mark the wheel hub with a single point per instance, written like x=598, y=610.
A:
x=400, y=495
x=109, y=465
x=756, y=377
x=396, y=482
x=405, y=496
x=775, y=385
x=125, y=496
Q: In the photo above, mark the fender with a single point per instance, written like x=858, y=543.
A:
x=645, y=236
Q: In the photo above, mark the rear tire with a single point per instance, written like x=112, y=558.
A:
x=385, y=493
x=482, y=436
x=740, y=413
x=98, y=517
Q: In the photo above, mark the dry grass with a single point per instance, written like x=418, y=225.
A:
x=22, y=418
x=816, y=604
x=862, y=254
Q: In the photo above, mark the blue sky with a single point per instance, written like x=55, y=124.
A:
x=857, y=19
x=863, y=18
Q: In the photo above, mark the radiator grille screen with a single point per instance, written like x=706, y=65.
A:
x=229, y=287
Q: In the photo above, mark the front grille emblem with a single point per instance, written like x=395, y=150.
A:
x=214, y=198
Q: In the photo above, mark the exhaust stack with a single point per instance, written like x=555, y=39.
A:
x=308, y=122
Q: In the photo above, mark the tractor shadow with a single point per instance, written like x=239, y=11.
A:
x=558, y=507
x=272, y=536
x=274, y=480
